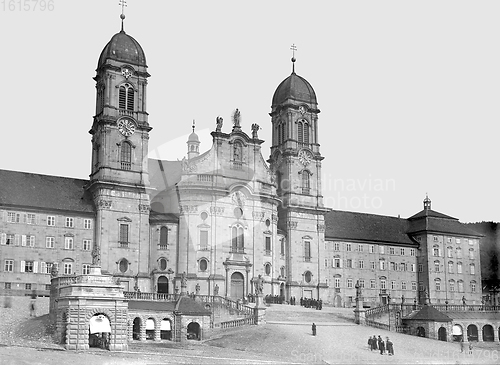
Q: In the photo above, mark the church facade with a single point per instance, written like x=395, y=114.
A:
x=221, y=218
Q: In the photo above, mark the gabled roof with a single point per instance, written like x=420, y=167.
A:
x=430, y=213
x=23, y=189
x=366, y=227
x=429, y=313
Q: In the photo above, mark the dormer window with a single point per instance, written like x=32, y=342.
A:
x=126, y=97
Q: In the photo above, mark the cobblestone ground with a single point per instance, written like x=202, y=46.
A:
x=286, y=338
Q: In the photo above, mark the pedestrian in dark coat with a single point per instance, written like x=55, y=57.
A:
x=374, y=343
x=381, y=345
x=390, y=346
x=370, y=343
x=314, y=329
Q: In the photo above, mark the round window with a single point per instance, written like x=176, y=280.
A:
x=268, y=222
x=203, y=265
x=307, y=276
x=268, y=269
x=123, y=265
x=204, y=215
x=163, y=264
x=238, y=213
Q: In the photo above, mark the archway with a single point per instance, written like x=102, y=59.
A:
x=136, y=329
x=472, y=333
x=282, y=290
x=442, y=334
x=337, y=302
x=162, y=284
x=166, y=329
x=150, y=329
x=420, y=331
x=99, y=331
x=193, y=331
x=488, y=334
x=237, y=283
x=457, y=333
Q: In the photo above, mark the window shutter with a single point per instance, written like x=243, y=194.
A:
x=23, y=265
x=3, y=238
x=16, y=239
x=35, y=266
x=23, y=240
x=43, y=267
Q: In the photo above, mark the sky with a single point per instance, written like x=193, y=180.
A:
x=408, y=90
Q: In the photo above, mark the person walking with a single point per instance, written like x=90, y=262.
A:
x=390, y=346
x=381, y=345
x=370, y=343
x=374, y=343
x=462, y=344
x=314, y=329
x=470, y=347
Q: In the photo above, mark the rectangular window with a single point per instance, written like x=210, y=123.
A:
x=391, y=250
x=50, y=242
x=8, y=286
x=457, y=241
x=361, y=283
x=87, y=244
x=392, y=266
x=68, y=243
x=435, y=251
x=402, y=251
x=403, y=285
x=348, y=247
x=471, y=254
x=48, y=267
x=383, y=284
x=459, y=253
x=372, y=284
x=9, y=266
x=372, y=265
x=466, y=241
x=413, y=267
x=282, y=247
x=28, y=266
x=382, y=249
x=336, y=246
x=27, y=286
x=382, y=264
x=473, y=287
x=47, y=286
x=360, y=247
x=307, y=251
x=349, y=283
x=434, y=238
x=123, y=239
x=361, y=264
x=13, y=217
x=393, y=285
x=337, y=282
x=452, y=286
x=30, y=218
x=412, y=252
x=372, y=248
x=460, y=286
x=268, y=245
x=413, y=286
x=459, y=268
x=420, y=268
x=203, y=240
x=51, y=220
x=87, y=223
x=438, y=285
x=68, y=268
x=31, y=241
x=85, y=269
x=69, y=222
x=421, y=286
x=472, y=269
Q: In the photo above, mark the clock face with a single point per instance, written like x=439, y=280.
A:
x=126, y=127
x=305, y=157
x=126, y=73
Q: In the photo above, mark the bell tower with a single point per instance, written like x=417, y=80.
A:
x=119, y=172
x=296, y=161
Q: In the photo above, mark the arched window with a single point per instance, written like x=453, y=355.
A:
x=126, y=155
x=437, y=283
x=450, y=267
x=203, y=265
x=126, y=97
x=473, y=286
x=436, y=266
x=163, y=237
x=472, y=268
x=123, y=265
x=452, y=285
x=459, y=267
x=237, y=239
x=306, y=133
x=307, y=251
x=307, y=276
x=460, y=286
x=267, y=268
x=301, y=132
x=282, y=132
x=306, y=182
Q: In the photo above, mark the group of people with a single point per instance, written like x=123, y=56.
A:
x=375, y=343
x=311, y=303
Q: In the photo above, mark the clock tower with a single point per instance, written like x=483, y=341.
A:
x=296, y=161
x=119, y=179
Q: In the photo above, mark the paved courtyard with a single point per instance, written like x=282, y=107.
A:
x=286, y=338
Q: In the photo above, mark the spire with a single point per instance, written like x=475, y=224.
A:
x=193, y=143
x=427, y=202
x=293, y=47
x=193, y=125
x=123, y=4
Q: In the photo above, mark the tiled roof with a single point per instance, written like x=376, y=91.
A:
x=186, y=305
x=151, y=305
x=366, y=227
x=430, y=213
x=23, y=189
x=474, y=315
x=442, y=225
x=429, y=313
x=155, y=217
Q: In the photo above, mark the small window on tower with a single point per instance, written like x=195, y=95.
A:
x=126, y=97
x=126, y=156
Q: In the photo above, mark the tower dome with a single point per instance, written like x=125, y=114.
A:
x=123, y=48
x=296, y=88
x=193, y=137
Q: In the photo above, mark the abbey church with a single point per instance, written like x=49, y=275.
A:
x=224, y=217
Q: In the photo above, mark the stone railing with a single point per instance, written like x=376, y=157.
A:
x=467, y=308
x=247, y=311
x=383, y=326
x=159, y=297
x=238, y=322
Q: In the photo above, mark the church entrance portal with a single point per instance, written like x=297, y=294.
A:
x=237, y=282
x=162, y=284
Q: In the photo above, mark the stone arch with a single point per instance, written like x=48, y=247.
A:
x=136, y=328
x=421, y=331
x=92, y=312
x=193, y=331
x=166, y=329
x=457, y=332
x=150, y=329
x=472, y=333
x=64, y=327
x=337, y=301
x=488, y=333
x=442, y=334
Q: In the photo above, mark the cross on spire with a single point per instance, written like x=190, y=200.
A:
x=193, y=125
x=123, y=4
x=293, y=47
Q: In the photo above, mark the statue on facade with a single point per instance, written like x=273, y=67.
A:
x=216, y=289
x=259, y=285
x=53, y=271
x=184, y=279
x=255, y=129
x=197, y=288
x=237, y=118
x=464, y=301
x=96, y=256
x=358, y=290
x=219, y=122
